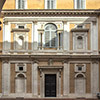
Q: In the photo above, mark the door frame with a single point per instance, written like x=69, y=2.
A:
x=58, y=81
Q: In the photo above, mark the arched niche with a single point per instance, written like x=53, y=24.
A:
x=20, y=81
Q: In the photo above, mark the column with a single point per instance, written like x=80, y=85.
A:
x=35, y=78
x=6, y=36
x=59, y=83
x=94, y=78
x=41, y=83
x=35, y=37
x=6, y=78
x=32, y=34
x=66, y=78
x=66, y=36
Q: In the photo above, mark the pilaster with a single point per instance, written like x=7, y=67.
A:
x=94, y=36
x=35, y=78
x=66, y=78
x=94, y=78
x=35, y=36
x=66, y=36
x=6, y=36
x=6, y=78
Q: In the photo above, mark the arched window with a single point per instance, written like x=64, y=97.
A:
x=20, y=83
x=80, y=83
x=21, y=4
x=50, y=36
x=79, y=4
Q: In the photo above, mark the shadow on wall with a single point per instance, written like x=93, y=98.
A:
x=21, y=44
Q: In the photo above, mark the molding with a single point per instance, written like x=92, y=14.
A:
x=50, y=67
x=79, y=30
x=35, y=61
x=20, y=30
x=51, y=12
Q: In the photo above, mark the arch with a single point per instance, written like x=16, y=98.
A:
x=80, y=75
x=20, y=74
x=20, y=83
x=80, y=38
x=80, y=82
x=50, y=24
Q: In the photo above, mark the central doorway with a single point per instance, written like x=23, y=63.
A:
x=50, y=85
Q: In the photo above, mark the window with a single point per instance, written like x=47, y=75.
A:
x=21, y=4
x=79, y=4
x=21, y=68
x=50, y=36
x=21, y=41
x=50, y=4
x=79, y=40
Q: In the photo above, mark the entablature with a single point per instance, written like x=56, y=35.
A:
x=51, y=12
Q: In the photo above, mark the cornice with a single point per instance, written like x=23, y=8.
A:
x=51, y=12
x=50, y=56
x=80, y=30
x=20, y=30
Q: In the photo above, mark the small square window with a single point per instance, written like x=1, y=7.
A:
x=20, y=68
x=79, y=68
x=21, y=27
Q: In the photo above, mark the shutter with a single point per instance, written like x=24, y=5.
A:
x=48, y=4
x=47, y=38
x=52, y=4
x=18, y=4
x=23, y=4
x=83, y=4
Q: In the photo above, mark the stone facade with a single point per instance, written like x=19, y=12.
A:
x=62, y=44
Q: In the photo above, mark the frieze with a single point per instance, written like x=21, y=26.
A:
x=54, y=12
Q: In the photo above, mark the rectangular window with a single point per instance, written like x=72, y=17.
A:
x=50, y=4
x=21, y=4
x=79, y=4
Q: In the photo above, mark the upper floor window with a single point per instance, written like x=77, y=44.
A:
x=21, y=4
x=50, y=4
x=79, y=4
x=50, y=36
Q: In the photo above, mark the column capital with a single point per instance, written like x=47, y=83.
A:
x=65, y=22
x=5, y=61
x=95, y=62
x=65, y=61
x=35, y=22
